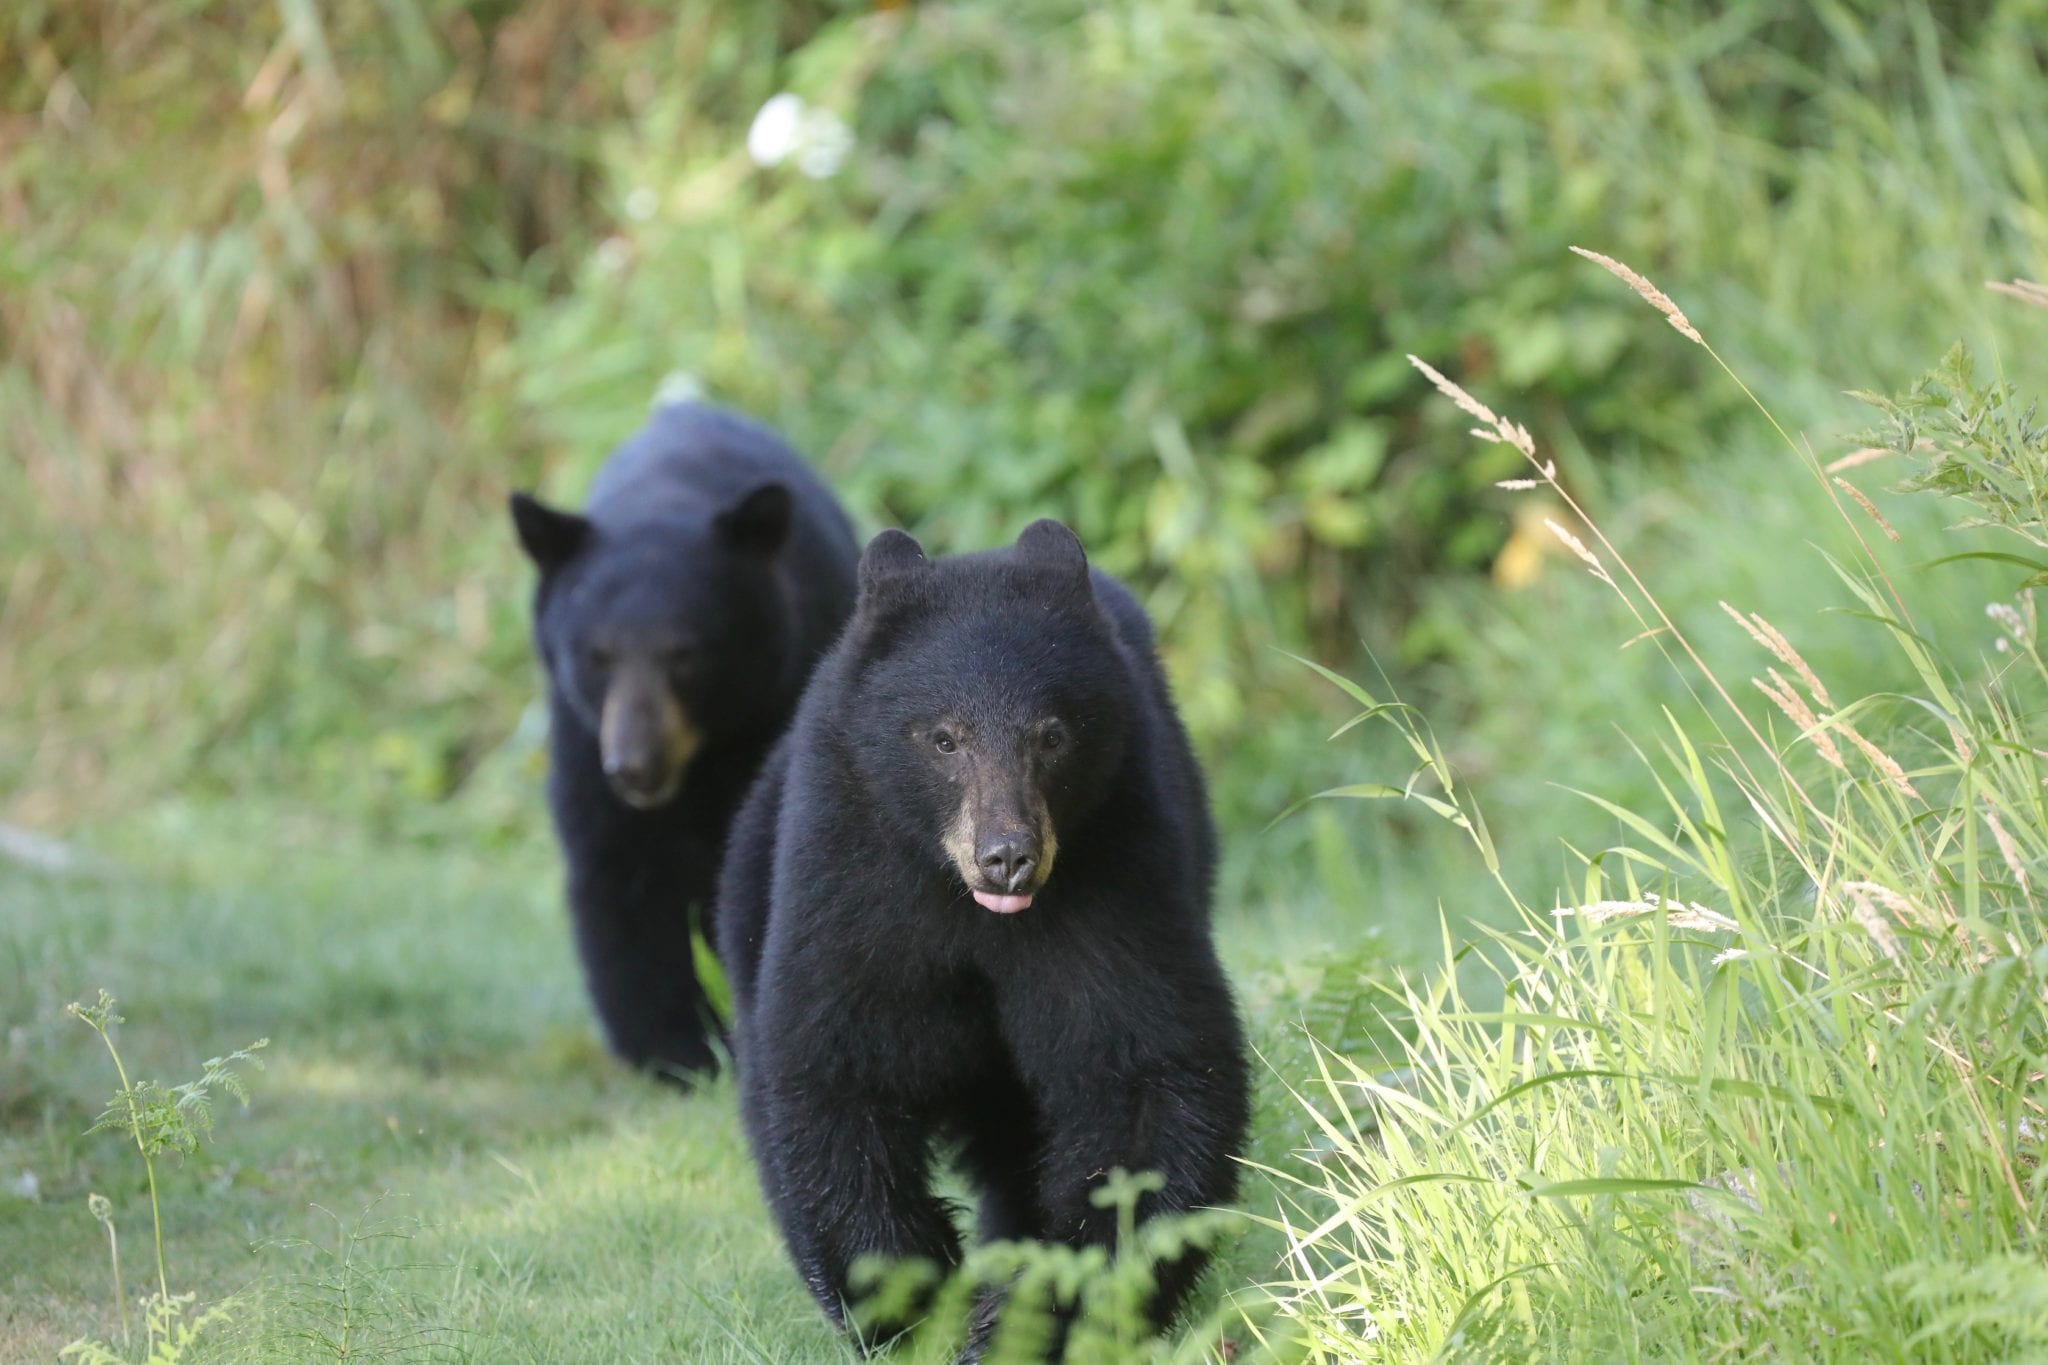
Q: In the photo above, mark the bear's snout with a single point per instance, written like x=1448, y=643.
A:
x=645, y=740
x=1008, y=859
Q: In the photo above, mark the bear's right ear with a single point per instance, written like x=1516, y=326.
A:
x=889, y=558
x=759, y=522
x=550, y=537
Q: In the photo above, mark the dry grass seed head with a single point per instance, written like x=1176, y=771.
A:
x=1678, y=914
x=2026, y=291
x=1885, y=764
x=1800, y=714
x=1467, y=404
x=1578, y=547
x=1869, y=507
x=2008, y=851
x=1496, y=428
x=1771, y=638
x=1866, y=914
x=1902, y=908
x=1650, y=293
x=1961, y=741
x=1857, y=457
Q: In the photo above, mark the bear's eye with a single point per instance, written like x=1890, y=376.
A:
x=1053, y=740
x=943, y=741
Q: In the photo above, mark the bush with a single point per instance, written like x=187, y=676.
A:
x=290, y=301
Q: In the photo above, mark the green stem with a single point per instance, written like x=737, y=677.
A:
x=120, y=1294
x=156, y=1216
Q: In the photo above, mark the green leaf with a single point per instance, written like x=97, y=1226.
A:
x=1577, y=1189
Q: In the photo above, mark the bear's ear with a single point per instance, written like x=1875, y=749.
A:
x=551, y=537
x=759, y=522
x=889, y=557
x=1050, y=545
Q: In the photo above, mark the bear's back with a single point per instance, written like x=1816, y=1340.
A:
x=1172, y=776
x=694, y=458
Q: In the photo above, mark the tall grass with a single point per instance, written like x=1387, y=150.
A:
x=1767, y=1078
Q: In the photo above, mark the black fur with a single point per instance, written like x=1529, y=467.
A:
x=711, y=552
x=883, y=1013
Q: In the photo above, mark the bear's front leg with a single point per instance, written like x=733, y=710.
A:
x=849, y=1178
x=1182, y=1122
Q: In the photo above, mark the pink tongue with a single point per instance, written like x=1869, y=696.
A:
x=1002, y=905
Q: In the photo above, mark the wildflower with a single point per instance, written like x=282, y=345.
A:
x=786, y=128
x=2009, y=620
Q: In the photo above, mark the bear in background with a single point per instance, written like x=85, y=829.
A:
x=677, y=618
x=968, y=903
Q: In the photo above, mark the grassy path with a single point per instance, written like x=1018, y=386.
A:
x=438, y=1161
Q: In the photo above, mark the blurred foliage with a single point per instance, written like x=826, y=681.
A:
x=1983, y=447
x=291, y=294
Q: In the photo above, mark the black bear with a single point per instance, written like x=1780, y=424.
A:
x=677, y=620
x=967, y=904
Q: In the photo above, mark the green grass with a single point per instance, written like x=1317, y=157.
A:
x=431, y=1063
x=433, y=1072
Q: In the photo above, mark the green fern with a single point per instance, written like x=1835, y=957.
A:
x=158, y=1119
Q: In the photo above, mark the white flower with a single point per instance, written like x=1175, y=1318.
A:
x=641, y=203
x=774, y=134
x=787, y=128
x=678, y=386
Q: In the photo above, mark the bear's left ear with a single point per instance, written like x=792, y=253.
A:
x=1049, y=545
x=759, y=522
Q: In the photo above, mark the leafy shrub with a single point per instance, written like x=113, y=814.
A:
x=287, y=303
x=1153, y=267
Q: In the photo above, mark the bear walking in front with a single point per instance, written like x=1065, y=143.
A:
x=968, y=904
x=677, y=618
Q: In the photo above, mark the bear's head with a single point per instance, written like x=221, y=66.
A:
x=989, y=704
x=662, y=634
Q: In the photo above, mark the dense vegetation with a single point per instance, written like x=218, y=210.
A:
x=290, y=295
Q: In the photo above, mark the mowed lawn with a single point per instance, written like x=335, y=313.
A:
x=438, y=1161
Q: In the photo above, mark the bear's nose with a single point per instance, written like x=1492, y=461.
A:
x=635, y=770
x=1008, y=860
x=635, y=775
